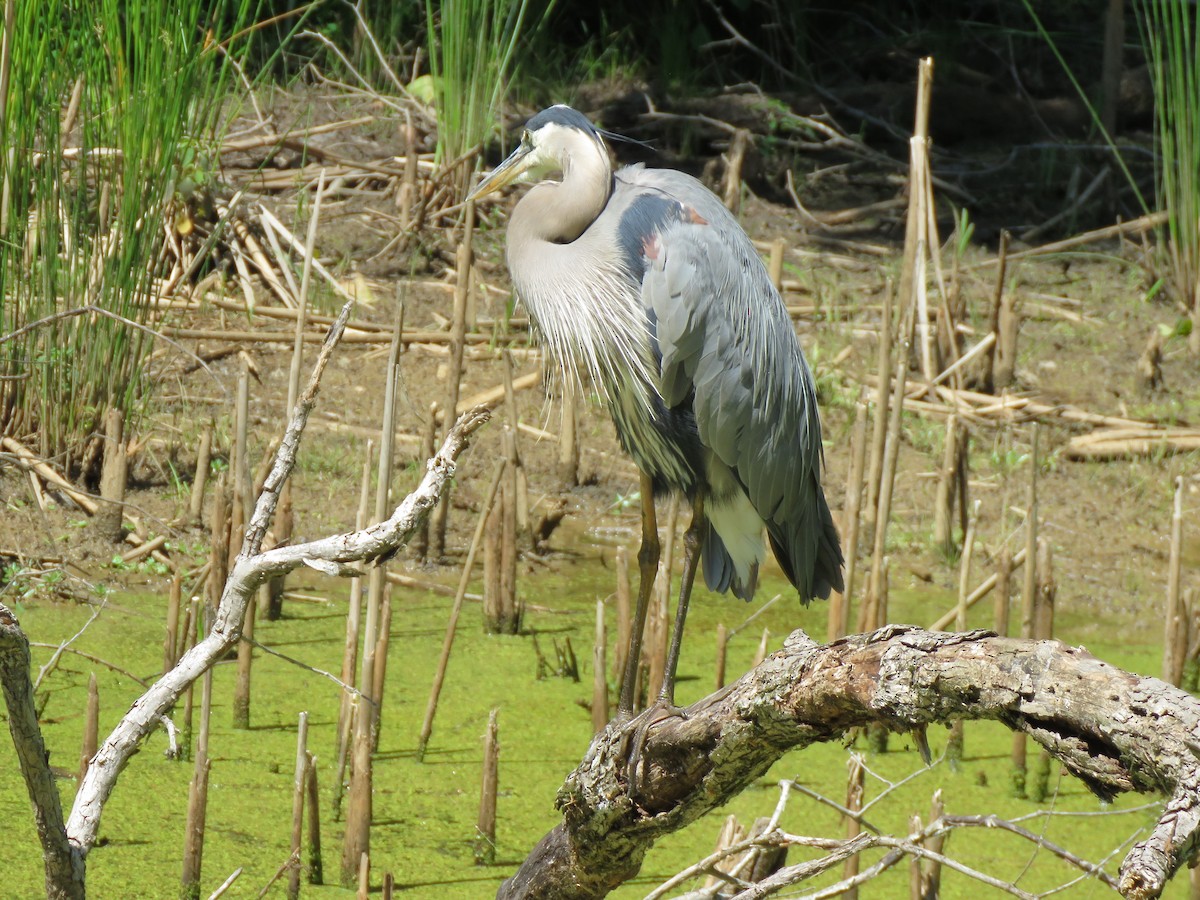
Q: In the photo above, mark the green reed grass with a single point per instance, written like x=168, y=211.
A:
x=471, y=48
x=1170, y=32
x=87, y=195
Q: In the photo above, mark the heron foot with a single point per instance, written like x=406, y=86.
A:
x=637, y=731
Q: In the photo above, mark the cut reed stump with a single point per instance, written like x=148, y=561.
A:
x=91, y=726
x=114, y=474
x=299, y=786
x=485, y=831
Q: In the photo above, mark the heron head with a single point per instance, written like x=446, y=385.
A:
x=549, y=143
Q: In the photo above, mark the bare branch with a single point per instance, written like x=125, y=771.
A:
x=1114, y=730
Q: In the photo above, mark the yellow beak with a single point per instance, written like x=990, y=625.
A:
x=504, y=174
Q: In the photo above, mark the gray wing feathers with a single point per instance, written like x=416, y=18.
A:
x=724, y=333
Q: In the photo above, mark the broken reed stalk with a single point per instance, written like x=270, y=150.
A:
x=568, y=445
x=775, y=263
x=917, y=244
x=381, y=656
x=485, y=829
x=349, y=671
x=456, y=609
x=839, y=605
x=988, y=381
x=1000, y=610
x=218, y=559
x=374, y=676
x=458, y=330
x=171, y=637
x=356, y=840
x=624, y=619
x=245, y=658
x=298, y=790
x=599, y=672
x=1019, y=773
x=855, y=788
x=735, y=157
x=91, y=726
x=420, y=542
x=1174, y=621
x=509, y=621
x=1005, y=373
x=943, y=521
x=189, y=641
x=722, y=652
x=312, y=802
x=200, y=478
x=882, y=398
x=193, y=848
x=1047, y=592
x=240, y=468
x=364, y=877
x=763, y=646
x=114, y=473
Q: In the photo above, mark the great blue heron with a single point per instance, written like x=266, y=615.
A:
x=643, y=279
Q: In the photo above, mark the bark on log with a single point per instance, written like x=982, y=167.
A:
x=1114, y=730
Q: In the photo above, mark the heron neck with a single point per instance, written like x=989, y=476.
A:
x=559, y=212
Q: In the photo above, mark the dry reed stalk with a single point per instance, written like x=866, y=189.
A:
x=493, y=537
x=356, y=840
x=731, y=832
x=312, y=801
x=917, y=236
x=722, y=652
x=1000, y=614
x=943, y=510
x=509, y=621
x=855, y=787
x=189, y=640
x=1047, y=591
x=624, y=616
x=377, y=577
x=298, y=791
x=245, y=659
x=379, y=675
x=200, y=479
x=218, y=559
x=985, y=588
x=349, y=670
x=438, y=518
x=839, y=603
x=1005, y=373
x=764, y=645
x=240, y=465
x=364, y=877
x=882, y=399
x=114, y=474
x=197, y=810
x=495, y=395
x=735, y=157
x=599, y=672
x=1174, y=623
x=420, y=542
x=485, y=840
x=171, y=638
x=775, y=265
x=456, y=609
x=658, y=629
x=1029, y=586
x=91, y=726
x=964, y=570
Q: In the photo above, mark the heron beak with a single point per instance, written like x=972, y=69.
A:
x=504, y=174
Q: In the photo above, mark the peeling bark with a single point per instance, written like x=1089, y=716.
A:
x=1116, y=731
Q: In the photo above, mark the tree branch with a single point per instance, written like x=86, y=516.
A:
x=1114, y=730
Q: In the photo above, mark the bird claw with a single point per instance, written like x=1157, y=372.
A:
x=636, y=733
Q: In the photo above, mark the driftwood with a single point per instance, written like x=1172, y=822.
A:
x=1114, y=730
x=65, y=847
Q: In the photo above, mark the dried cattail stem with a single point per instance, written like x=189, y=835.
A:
x=735, y=158
x=200, y=479
x=599, y=672
x=722, y=651
x=624, y=614
x=299, y=784
x=855, y=786
x=1174, y=621
x=91, y=727
x=1002, y=591
x=171, y=638
x=839, y=603
x=312, y=802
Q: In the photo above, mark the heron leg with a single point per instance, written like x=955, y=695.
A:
x=692, y=539
x=648, y=565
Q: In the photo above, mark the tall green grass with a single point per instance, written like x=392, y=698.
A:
x=471, y=48
x=1170, y=32
x=110, y=107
